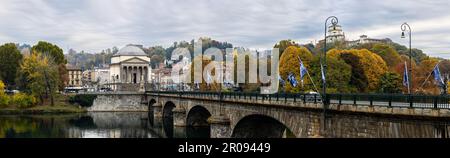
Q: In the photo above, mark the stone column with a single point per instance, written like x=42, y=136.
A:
x=130, y=74
x=220, y=126
x=146, y=74
x=157, y=110
x=179, y=116
x=123, y=74
x=139, y=72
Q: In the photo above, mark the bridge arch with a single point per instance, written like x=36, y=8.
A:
x=198, y=116
x=151, y=111
x=260, y=126
x=197, y=122
x=167, y=118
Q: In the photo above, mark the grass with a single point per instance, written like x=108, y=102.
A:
x=62, y=105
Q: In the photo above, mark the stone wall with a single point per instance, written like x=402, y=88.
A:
x=118, y=102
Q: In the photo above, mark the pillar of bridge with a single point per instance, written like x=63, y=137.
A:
x=220, y=126
x=157, y=110
x=179, y=117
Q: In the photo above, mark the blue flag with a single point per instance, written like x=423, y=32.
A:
x=208, y=78
x=405, y=76
x=303, y=69
x=437, y=75
x=292, y=80
x=281, y=80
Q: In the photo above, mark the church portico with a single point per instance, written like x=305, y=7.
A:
x=131, y=65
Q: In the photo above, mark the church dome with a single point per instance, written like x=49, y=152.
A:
x=130, y=51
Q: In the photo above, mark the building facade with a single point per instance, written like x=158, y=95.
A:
x=364, y=39
x=75, y=75
x=335, y=34
x=129, y=67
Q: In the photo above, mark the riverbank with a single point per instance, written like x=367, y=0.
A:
x=62, y=106
x=45, y=109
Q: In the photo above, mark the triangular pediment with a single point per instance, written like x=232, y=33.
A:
x=134, y=60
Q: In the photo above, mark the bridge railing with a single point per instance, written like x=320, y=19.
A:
x=247, y=96
x=393, y=100
x=388, y=100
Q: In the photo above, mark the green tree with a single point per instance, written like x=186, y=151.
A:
x=338, y=75
x=51, y=50
x=388, y=53
x=10, y=58
x=391, y=82
x=41, y=74
x=416, y=54
x=57, y=57
x=157, y=55
x=284, y=44
x=4, y=99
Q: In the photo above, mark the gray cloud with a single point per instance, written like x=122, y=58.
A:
x=93, y=25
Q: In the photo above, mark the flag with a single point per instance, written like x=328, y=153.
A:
x=292, y=80
x=281, y=80
x=323, y=73
x=405, y=76
x=208, y=78
x=437, y=75
x=303, y=69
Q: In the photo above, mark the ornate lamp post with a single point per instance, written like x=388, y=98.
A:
x=406, y=27
x=334, y=22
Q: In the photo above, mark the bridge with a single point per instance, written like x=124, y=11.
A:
x=241, y=115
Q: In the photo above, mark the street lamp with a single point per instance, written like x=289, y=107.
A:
x=405, y=27
x=334, y=22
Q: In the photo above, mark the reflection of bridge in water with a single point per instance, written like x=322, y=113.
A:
x=111, y=125
x=175, y=114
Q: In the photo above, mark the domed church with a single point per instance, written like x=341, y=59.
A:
x=130, y=69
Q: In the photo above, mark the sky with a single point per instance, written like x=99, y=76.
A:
x=94, y=25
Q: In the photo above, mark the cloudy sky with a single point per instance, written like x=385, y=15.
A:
x=93, y=25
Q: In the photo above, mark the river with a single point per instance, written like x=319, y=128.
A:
x=137, y=125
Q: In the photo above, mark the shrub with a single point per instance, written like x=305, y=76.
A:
x=84, y=100
x=22, y=100
x=4, y=100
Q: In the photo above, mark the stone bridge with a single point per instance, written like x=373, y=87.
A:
x=251, y=115
x=270, y=117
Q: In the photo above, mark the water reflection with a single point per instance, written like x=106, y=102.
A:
x=91, y=125
x=142, y=125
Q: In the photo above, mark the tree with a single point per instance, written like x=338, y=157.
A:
x=57, y=57
x=10, y=58
x=289, y=63
x=390, y=82
x=423, y=83
x=367, y=67
x=157, y=55
x=388, y=53
x=41, y=74
x=284, y=44
x=51, y=50
x=3, y=97
x=416, y=54
x=338, y=75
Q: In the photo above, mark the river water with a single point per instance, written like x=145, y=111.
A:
x=137, y=125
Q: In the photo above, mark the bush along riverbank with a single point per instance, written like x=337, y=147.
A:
x=23, y=104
